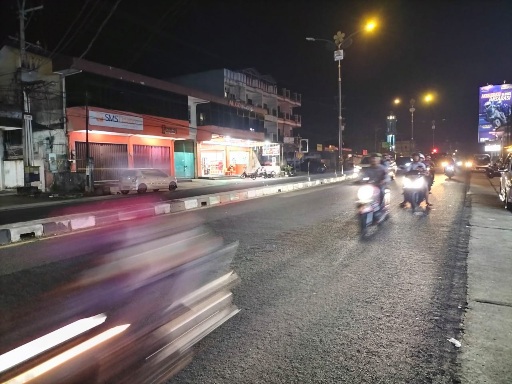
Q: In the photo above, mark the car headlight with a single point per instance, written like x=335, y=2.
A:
x=365, y=193
x=459, y=163
x=444, y=164
x=469, y=164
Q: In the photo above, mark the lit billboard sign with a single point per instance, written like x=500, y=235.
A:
x=494, y=110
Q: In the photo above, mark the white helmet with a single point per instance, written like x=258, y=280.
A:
x=422, y=156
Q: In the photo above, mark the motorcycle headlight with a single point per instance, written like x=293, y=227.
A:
x=365, y=193
x=459, y=163
x=469, y=164
x=416, y=183
x=444, y=164
x=449, y=167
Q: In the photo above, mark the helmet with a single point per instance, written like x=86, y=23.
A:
x=375, y=154
x=422, y=157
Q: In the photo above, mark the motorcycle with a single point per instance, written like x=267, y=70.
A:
x=252, y=175
x=415, y=187
x=449, y=170
x=262, y=172
x=370, y=211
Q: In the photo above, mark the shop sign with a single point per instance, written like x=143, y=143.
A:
x=492, y=148
x=114, y=120
x=271, y=150
x=241, y=105
x=169, y=130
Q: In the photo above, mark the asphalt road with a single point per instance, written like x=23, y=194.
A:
x=317, y=303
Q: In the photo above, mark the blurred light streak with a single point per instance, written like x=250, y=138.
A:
x=52, y=339
x=68, y=355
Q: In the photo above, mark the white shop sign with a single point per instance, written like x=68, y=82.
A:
x=114, y=120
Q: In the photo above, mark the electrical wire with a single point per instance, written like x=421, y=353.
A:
x=100, y=28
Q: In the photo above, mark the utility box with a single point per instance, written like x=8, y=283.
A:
x=32, y=174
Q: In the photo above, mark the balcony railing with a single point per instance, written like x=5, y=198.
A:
x=288, y=95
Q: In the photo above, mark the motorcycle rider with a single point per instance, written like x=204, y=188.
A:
x=378, y=173
x=417, y=164
x=431, y=167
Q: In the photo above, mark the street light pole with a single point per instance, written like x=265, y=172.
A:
x=340, y=119
x=340, y=41
x=433, y=131
x=412, y=109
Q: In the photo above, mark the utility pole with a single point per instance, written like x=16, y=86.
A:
x=26, y=117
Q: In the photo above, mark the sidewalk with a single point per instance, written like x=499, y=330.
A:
x=486, y=351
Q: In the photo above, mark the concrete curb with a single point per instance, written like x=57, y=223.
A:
x=12, y=233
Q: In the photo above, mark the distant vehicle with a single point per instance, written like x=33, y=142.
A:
x=481, y=161
x=402, y=163
x=366, y=162
x=144, y=179
x=315, y=166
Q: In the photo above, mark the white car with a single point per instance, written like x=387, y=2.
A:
x=144, y=179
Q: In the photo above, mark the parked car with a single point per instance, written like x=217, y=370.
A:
x=144, y=179
x=315, y=166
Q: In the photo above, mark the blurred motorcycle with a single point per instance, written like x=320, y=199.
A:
x=370, y=210
x=449, y=171
x=415, y=187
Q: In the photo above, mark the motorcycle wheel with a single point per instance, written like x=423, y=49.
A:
x=243, y=176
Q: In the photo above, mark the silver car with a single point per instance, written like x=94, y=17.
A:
x=144, y=179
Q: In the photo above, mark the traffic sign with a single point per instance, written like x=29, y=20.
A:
x=338, y=55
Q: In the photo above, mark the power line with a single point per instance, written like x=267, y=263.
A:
x=100, y=28
x=69, y=29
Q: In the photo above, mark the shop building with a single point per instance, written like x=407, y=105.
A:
x=260, y=105
x=32, y=139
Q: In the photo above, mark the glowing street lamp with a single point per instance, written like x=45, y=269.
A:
x=340, y=42
x=429, y=98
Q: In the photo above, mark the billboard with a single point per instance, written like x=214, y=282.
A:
x=494, y=110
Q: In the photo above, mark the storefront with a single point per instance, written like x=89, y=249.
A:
x=226, y=151
x=222, y=158
x=117, y=140
x=228, y=157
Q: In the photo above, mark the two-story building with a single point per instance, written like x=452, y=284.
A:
x=121, y=120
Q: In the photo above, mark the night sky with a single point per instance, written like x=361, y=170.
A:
x=449, y=48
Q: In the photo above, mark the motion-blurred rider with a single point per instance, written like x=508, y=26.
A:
x=417, y=165
x=378, y=174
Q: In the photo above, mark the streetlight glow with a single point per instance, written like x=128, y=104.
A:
x=397, y=101
x=340, y=41
x=429, y=98
x=370, y=26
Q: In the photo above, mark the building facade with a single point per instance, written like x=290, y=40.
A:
x=261, y=106
x=31, y=118
x=221, y=124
